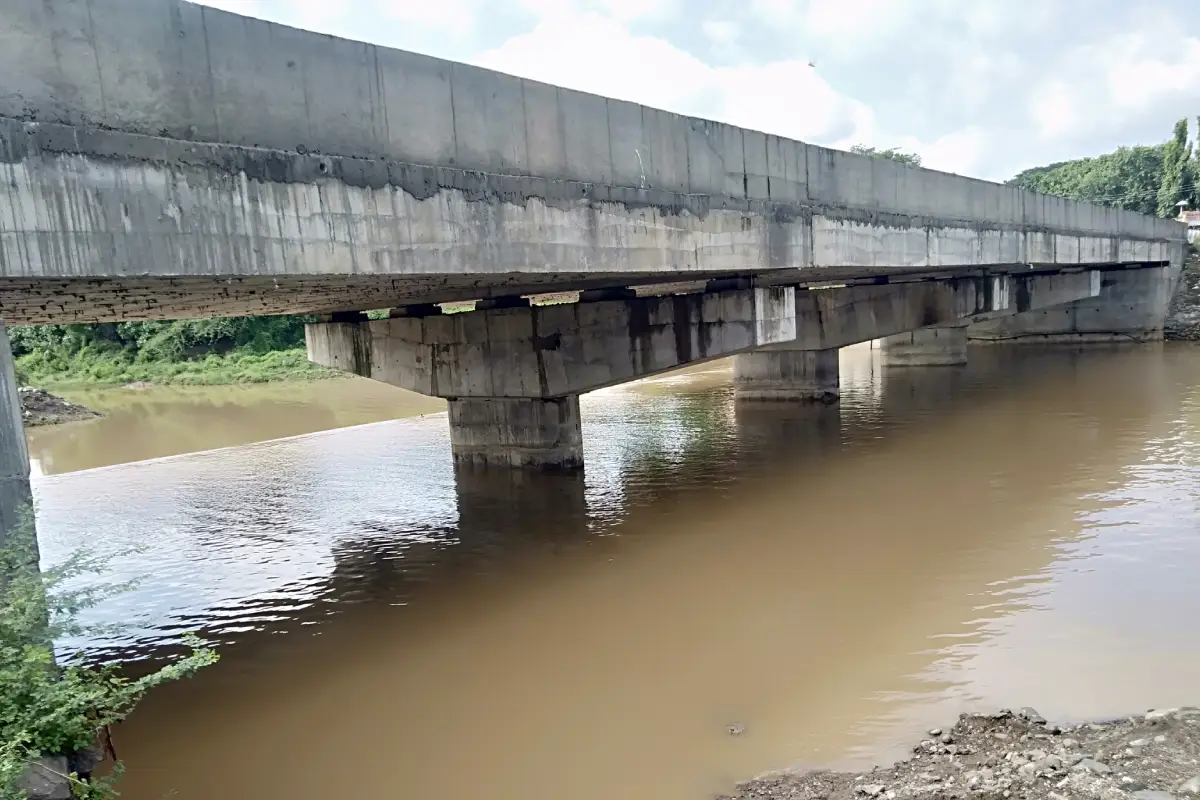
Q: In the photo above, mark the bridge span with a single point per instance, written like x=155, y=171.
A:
x=160, y=159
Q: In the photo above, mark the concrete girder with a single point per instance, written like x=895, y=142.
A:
x=558, y=350
x=562, y=350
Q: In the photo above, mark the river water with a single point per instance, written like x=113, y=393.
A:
x=1024, y=531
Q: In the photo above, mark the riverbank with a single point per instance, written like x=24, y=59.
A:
x=93, y=370
x=1183, y=316
x=39, y=407
x=1155, y=756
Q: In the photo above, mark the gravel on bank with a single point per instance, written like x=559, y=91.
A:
x=1017, y=755
x=39, y=407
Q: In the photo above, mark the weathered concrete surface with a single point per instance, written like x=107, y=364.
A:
x=927, y=347
x=554, y=351
x=558, y=350
x=160, y=159
x=776, y=374
x=1131, y=307
x=14, y=457
x=516, y=432
x=832, y=318
x=150, y=228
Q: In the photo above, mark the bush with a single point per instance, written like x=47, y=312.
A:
x=59, y=708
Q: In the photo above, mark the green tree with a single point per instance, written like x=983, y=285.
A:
x=1129, y=177
x=891, y=153
x=59, y=708
x=1176, y=182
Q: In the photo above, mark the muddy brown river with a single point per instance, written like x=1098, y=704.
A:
x=1024, y=531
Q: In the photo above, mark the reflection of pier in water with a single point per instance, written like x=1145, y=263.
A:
x=778, y=557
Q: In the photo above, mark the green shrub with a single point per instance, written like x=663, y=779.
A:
x=58, y=708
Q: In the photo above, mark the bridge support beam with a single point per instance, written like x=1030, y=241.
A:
x=516, y=432
x=927, y=347
x=1131, y=306
x=513, y=375
x=778, y=374
x=15, y=496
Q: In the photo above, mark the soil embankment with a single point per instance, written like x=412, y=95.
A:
x=1017, y=755
x=39, y=407
x=1183, y=316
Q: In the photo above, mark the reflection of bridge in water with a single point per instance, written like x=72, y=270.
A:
x=761, y=548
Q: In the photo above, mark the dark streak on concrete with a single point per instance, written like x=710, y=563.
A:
x=22, y=140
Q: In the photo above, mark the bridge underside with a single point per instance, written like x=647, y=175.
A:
x=513, y=374
x=38, y=301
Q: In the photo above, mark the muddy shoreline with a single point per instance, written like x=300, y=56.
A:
x=39, y=407
x=1006, y=754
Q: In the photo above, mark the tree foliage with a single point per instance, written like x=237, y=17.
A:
x=1127, y=178
x=1177, y=183
x=891, y=153
x=165, y=341
x=1146, y=179
x=59, y=708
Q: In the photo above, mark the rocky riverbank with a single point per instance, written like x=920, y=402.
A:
x=1183, y=316
x=39, y=407
x=1005, y=755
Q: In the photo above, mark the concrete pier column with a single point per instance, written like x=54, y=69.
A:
x=15, y=494
x=517, y=432
x=927, y=347
x=786, y=375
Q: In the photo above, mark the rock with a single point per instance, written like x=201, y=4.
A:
x=1160, y=715
x=1139, y=743
x=46, y=779
x=84, y=762
x=1070, y=743
x=1191, y=787
x=1050, y=762
x=936, y=732
x=1032, y=716
x=871, y=790
x=1153, y=794
x=1093, y=766
x=735, y=729
x=946, y=738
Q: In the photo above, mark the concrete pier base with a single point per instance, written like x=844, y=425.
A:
x=787, y=375
x=15, y=496
x=927, y=347
x=516, y=432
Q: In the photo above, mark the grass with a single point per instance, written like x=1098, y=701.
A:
x=89, y=368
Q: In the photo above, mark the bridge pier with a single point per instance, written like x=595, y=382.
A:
x=927, y=347
x=777, y=374
x=15, y=495
x=516, y=432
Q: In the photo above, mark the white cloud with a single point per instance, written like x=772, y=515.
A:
x=455, y=17
x=788, y=98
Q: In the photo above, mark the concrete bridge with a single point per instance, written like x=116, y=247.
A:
x=160, y=159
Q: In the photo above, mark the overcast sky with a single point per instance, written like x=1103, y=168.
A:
x=979, y=87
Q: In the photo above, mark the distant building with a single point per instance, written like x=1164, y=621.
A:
x=1192, y=218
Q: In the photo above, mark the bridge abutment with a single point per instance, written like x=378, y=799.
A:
x=524, y=432
x=778, y=374
x=927, y=347
x=16, y=497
